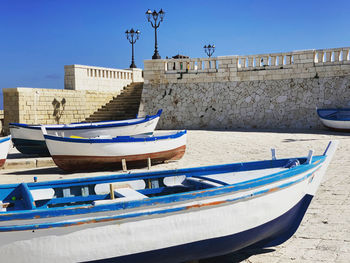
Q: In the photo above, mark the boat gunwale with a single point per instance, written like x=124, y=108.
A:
x=117, y=139
x=5, y=138
x=92, y=125
x=131, y=175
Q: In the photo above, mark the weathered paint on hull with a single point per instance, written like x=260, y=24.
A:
x=31, y=147
x=269, y=234
x=2, y=162
x=79, y=163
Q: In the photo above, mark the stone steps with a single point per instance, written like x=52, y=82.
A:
x=116, y=112
x=110, y=115
x=122, y=107
x=118, y=109
x=116, y=118
x=124, y=101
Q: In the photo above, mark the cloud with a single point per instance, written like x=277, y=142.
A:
x=53, y=76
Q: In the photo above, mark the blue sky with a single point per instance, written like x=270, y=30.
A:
x=39, y=37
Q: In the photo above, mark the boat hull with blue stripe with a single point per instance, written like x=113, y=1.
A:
x=28, y=139
x=335, y=119
x=5, y=144
x=159, y=216
x=79, y=154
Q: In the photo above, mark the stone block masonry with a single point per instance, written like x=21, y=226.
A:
x=280, y=90
x=51, y=106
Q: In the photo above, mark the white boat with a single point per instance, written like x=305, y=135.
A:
x=28, y=139
x=5, y=144
x=73, y=154
x=160, y=216
x=335, y=119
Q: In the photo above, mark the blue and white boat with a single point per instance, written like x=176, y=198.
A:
x=159, y=216
x=81, y=154
x=336, y=119
x=28, y=139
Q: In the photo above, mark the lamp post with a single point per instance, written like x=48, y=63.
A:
x=155, y=15
x=132, y=36
x=209, y=50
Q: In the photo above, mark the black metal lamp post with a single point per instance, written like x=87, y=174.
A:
x=209, y=50
x=155, y=15
x=132, y=36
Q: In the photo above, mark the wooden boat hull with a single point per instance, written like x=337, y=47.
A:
x=262, y=211
x=268, y=234
x=74, y=154
x=5, y=144
x=73, y=163
x=28, y=139
x=335, y=119
x=31, y=146
x=336, y=126
x=111, y=242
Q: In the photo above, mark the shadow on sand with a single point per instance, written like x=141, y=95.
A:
x=238, y=256
x=300, y=131
x=46, y=170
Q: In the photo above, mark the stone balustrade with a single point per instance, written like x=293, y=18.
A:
x=192, y=65
x=333, y=55
x=97, y=72
x=296, y=64
x=81, y=77
x=265, y=60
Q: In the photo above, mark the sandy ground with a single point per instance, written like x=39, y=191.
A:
x=324, y=235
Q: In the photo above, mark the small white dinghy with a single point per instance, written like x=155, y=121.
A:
x=335, y=119
x=74, y=154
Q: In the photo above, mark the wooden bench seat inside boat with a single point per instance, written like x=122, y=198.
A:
x=124, y=195
x=124, y=191
x=42, y=194
x=174, y=180
x=102, y=189
x=129, y=193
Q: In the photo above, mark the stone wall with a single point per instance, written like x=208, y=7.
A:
x=279, y=90
x=81, y=77
x=51, y=106
x=1, y=122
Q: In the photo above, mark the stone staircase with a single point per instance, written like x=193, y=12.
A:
x=124, y=106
